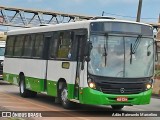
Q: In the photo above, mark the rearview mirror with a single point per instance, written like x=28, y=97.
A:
x=88, y=48
x=148, y=53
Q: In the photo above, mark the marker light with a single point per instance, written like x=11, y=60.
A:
x=148, y=86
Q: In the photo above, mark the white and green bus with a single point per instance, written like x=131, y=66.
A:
x=96, y=62
x=2, y=50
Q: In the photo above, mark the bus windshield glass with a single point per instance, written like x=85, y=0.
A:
x=118, y=60
x=2, y=50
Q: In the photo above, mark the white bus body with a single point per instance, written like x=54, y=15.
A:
x=70, y=76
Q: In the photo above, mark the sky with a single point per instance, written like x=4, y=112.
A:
x=124, y=9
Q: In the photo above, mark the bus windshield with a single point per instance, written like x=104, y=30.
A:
x=2, y=50
x=118, y=58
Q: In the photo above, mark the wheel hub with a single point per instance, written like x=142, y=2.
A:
x=22, y=87
x=64, y=95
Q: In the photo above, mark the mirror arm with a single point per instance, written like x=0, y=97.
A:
x=82, y=66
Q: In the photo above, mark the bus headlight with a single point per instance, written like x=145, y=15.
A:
x=91, y=83
x=148, y=86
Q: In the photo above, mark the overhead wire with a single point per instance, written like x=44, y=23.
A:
x=126, y=16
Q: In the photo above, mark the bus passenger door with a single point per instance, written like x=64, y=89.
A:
x=81, y=41
x=47, y=39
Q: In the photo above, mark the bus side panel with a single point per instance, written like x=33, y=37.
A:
x=51, y=88
x=56, y=71
x=11, y=78
x=34, y=84
x=33, y=70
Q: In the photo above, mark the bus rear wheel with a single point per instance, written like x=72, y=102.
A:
x=64, y=97
x=117, y=107
x=22, y=89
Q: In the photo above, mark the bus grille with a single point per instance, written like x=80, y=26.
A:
x=119, y=88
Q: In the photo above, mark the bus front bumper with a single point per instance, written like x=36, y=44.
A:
x=94, y=97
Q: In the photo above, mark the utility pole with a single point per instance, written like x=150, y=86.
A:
x=139, y=11
x=159, y=19
x=103, y=13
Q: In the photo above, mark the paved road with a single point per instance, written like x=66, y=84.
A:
x=11, y=101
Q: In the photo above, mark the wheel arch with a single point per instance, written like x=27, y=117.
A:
x=60, y=82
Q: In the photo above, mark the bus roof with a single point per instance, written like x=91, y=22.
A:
x=66, y=26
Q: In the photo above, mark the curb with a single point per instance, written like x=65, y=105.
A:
x=156, y=96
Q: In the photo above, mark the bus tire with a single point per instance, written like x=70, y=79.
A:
x=22, y=87
x=23, y=91
x=32, y=94
x=63, y=97
x=117, y=107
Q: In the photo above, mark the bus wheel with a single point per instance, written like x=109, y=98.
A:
x=63, y=97
x=22, y=87
x=117, y=107
x=23, y=91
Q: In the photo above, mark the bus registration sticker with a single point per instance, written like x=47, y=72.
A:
x=122, y=99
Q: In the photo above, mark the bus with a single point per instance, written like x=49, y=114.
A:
x=95, y=62
x=2, y=50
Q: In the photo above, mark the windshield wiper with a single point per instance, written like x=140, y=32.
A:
x=105, y=49
x=131, y=54
x=133, y=48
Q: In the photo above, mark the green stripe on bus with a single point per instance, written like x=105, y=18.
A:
x=34, y=84
x=95, y=97
x=11, y=78
x=51, y=88
x=37, y=84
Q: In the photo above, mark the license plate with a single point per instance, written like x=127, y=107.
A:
x=122, y=99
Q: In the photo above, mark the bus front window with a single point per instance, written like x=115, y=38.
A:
x=118, y=63
x=141, y=64
x=111, y=65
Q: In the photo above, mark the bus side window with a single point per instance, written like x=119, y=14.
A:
x=38, y=46
x=28, y=44
x=18, y=45
x=64, y=46
x=9, y=45
x=53, y=45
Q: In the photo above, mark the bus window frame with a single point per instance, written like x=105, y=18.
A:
x=63, y=33
x=33, y=48
x=74, y=43
x=19, y=56
x=10, y=55
x=52, y=43
x=24, y=56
